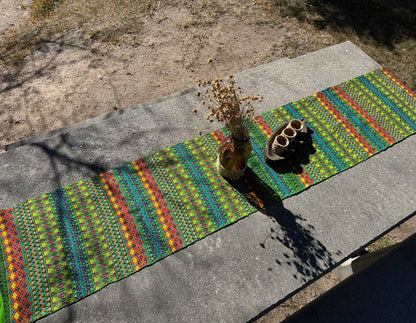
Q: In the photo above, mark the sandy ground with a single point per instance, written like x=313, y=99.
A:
x=72, y=77
x=12, y=14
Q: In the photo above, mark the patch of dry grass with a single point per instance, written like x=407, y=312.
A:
x=381, y=243
x=18, y=44
x=41, y=9
x=110, y=21
x=384, y=29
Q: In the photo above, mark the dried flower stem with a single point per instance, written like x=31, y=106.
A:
x=228, y=104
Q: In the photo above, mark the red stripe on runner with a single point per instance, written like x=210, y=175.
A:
x=21, y=305
x=128, y=225
x=340, y=91
x=160, y=204
x=358, y=137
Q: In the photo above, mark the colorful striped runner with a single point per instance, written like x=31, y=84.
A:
x=62, y=246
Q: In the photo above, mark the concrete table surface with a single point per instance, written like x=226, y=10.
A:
x=239, y=271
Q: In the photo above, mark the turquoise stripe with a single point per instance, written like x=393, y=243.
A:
x=202, y=185
x=368, y=132
x=396, y=109
x=144, y=213
x=76, y=255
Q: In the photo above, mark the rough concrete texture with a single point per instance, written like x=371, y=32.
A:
x=237, y=272
x=383, y=292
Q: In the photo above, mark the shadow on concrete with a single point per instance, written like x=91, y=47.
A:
x=384, y=21
x=307, y=253
x=58, y=159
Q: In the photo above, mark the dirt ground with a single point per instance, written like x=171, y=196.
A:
x=73, y=77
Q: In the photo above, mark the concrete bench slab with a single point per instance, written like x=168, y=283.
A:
x=240, y=271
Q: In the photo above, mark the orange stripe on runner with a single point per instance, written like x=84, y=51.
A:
x=134, y=243
x=358, y=137
x=340, y=91
x=160, y=204
x=11, y=244
x=218, y=136
x=399, y=83
x=263, y=126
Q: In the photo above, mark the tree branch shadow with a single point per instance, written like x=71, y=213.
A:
x=384, y=21
x=59, y=158
x=305, y=252
x=16, y=77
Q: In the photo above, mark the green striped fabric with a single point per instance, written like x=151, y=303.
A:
x=64, y=245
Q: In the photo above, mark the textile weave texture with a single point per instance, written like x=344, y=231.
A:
x=64, y=245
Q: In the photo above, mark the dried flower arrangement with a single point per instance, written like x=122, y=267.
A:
x=230, y=105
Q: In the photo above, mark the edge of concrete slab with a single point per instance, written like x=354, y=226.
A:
x=91, y=121
x=305, y=64
x=381, y=292
x=94, y=146
x=88, y=122
x=345, y=277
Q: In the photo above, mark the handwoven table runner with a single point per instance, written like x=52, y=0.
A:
x=64, y=245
